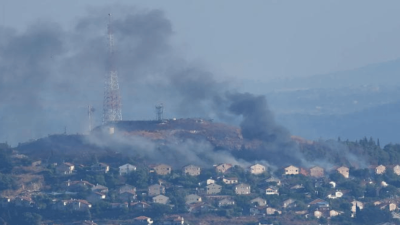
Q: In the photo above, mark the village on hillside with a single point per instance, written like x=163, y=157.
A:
x=102, y=192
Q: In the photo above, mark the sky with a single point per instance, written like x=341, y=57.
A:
x=258, y=39
x=185, y=54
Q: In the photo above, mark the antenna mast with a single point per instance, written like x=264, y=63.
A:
x=159, y=112
x=112, y=99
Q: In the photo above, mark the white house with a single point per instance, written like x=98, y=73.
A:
x=126, y=169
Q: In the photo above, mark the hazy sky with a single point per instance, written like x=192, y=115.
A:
x=256, y=39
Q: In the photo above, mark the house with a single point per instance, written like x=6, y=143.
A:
x=210, y=181
x=126, y=169
x=160, y=199
x=156, y=189
x=334, y=213
x=317, y=171
x=304, y=172
x=336, y=194
x=298, y=188
x=226, y=202
x=192, y=198
x=272, y=211
x=380, y=169
x=100, y=188
x=173, y=220
x=344, y=171
x=259, y=201
x=24, y=201
x=396, y=169
x=289, y=203
x=96, y=196
x=191, y=170
x=257, y=169
x=100, y=168
x=223, y=167
x=80, y=205
x=242, y=189
x=314, y=202
x=274, y=181
x=322, y=206
x=213, y=189
x=258, y=210
x=272, y=191
x=140, y=206
x=78, y=185
x=317, y=214
x=142, y=220
x=230, y=180
x=125, y=188
x=356, y=204
x=161, y=169
x=200, y=207
x=291, y=170
x=127, y=195
x=65, y=168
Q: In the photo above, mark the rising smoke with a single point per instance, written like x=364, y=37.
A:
x=50, y=74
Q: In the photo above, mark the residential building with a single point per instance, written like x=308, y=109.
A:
x=213, y=189
x=344, y=171
x=356, y=204
x=142, y=220
x=380, y=169
x=126, y=169
x=317, y=171
x=288, y=203
x=65, y=168
x=230, y=180
x=155, y=189
x=192, y=198
x=100, y=168
x=272, y=191
x=161, y=169
x=80, y=205
x=160, y=199
x=274, y=181
x=210, y=181
x=396, y=169
x=317, y=214
x=125, y=188
x=100, y=188
x=141, y=206
x=336, y=194
x=24, y=201
x=259, y=201
x=223, y=167
x=191, y=170
x=226, y=202
x=272, y=211
x=79, y=185
x=258, y=210
x=257, y=169
x=127, y=195
x=242, y=189
x=334, y=213
x=291, y=170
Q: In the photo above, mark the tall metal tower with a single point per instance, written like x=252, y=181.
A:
x=159, y=112
x=112, y=98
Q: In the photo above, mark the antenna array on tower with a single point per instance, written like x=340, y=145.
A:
x=112, y=99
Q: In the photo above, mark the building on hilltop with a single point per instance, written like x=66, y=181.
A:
x=191, y=170
x=126, y=169
x=291, y=170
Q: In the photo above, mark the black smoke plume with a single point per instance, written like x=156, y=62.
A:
x=50, y=74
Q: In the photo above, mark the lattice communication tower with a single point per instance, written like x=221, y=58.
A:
x=112, y=98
